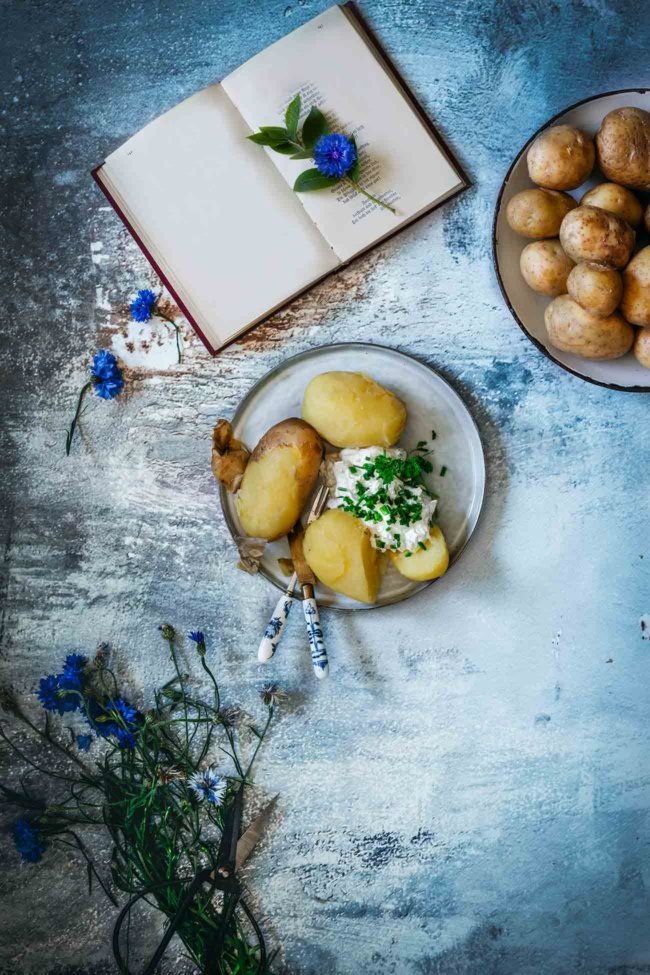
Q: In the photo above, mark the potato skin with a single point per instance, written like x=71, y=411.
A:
x=537, y=213
x=339, y=552
x=642, y=347
x=596, y=287
x=545, y=267
x=623, y=145
x=279, y=478
x=615, y=199
x=561, y=158
x=573, y=329
x=424, y=564
x=591, y=234
x=635, y=305
x=646, y=218
x=349, y=409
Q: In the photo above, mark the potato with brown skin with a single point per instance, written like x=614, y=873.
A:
x=623, y=146
x=572, y=328
x=349, y=409
x=229, y=456
x=596, y=287
x=646, y=218
x=615, y=199
x=279, y=477
x=635, y=305
x=642, y=347
x=561, y=158
x=545, y=267
x=537, y=213
x=591, y=234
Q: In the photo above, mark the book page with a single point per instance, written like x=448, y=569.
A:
x=333, y=66
x=215, y=216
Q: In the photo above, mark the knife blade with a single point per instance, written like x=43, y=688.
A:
x=307, y=580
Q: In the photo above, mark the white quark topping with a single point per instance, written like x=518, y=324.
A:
x=384, y=488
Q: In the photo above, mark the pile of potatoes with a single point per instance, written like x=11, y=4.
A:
x=273, y=484
x=590, y=255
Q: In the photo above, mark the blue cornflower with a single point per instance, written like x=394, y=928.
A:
x=48, y=693
x=208, y=785
x=196, y=636
x=106, y=375
x=73, y=672
x=126, y=711
x=334, y=155
x=125, y=739
x=143, y=305
x=84, y=742
x=27, y=840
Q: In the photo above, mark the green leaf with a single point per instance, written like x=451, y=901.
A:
x=292, y=116
x=262, y=139
x=355, y=172
x=315, y=126
x=286, y=148
x=311, y=179
x=276, y=132
x=304, y=154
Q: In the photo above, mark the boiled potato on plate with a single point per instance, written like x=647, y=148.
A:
x=635, y=304
x=538, y=213
x=572, y=328
x=596, y=287
x=623, y=144
x=591, y=234
x=545, y=267
x=615, y=199
x=425, y=564
x=349, y=409
x=561, y=158
x=339, y=552
x=279, y=478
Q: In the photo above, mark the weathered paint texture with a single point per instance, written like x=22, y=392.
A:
x=468, y=794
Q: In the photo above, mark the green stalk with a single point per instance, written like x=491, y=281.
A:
x=73, y=425
x=369, y=196
x=171, y=321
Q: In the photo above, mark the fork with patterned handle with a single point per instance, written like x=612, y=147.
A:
x=275, y=626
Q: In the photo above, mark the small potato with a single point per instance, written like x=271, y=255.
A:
x=573, y=329
x=351, y=410
x=591, y=234
x=642, y=347
x=615, y=199
x=545, y=267
x=623, y=144
x=424, y=564
x=596, y=287
x=561, y=158
x=635, y=305
x=278, y=479
x=538, y=213
x=339, y=552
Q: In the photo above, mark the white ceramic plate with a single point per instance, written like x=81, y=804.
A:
x=527, y=306
x=431, y=404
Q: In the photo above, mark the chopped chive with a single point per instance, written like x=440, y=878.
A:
x=407, y=555
x=422, y=546
x=443, y=470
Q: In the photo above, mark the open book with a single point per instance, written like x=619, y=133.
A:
x=216, y=215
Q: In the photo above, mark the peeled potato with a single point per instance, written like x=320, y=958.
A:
x=538, y=213
x=545, y=267
x=635, y=305
x=615, y=199
x=572, y=328
x=339, y=552
x=642, y=347
x=561, y=158
x=278, y=479
x=596, y=287
x=351, y=410
x=424, y=564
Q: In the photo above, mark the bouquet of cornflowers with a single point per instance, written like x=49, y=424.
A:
x=147, y=779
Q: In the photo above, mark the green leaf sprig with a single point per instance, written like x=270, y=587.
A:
x=306, y=142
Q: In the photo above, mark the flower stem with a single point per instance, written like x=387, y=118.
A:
x=369, y=196
x=171, y=321
x=73, y=425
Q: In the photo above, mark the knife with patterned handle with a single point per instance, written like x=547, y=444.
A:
x=307, y=581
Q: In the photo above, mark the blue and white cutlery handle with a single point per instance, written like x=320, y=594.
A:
x=315, y=633
x=275, y=626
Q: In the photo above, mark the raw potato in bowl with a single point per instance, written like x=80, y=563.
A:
x=538, y=213
x=561, y=158
x=349, y=409
x=642, y=347
x=545, y=267
x=596, y=287
x=572, y=328
x=591, y=234
x=623, y=143
x=615, y=199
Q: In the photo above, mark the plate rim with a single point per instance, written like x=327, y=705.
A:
x=406, y=355
x=497, y=209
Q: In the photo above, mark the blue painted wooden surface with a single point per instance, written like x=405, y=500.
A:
x=469, y=791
